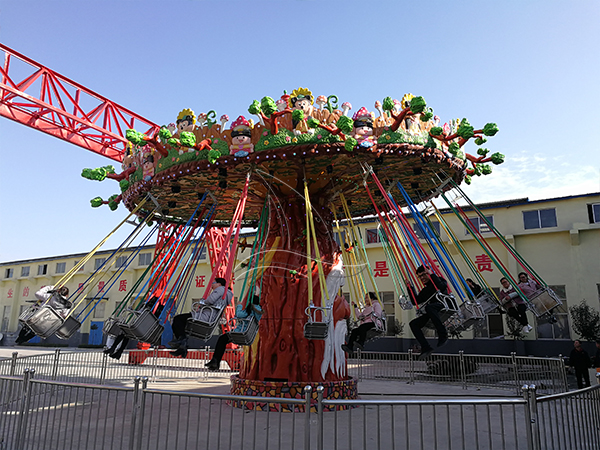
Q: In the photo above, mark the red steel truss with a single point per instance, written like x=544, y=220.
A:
x=40, y=98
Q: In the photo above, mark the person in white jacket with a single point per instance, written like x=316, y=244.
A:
x=48, y=295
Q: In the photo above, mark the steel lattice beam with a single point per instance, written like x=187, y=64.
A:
x=47, y=101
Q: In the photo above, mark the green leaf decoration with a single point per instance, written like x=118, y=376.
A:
x=497, y=158
x=174, y=142
x=96, y=202
x=187, y=139
x=480, y=140
x=477, y=168
x=268, y=106
x=298, y=115
x=453, y=148
x=430, y=143
x=254, y=108
x=111, y=202
x=164, y=134
x=109, y=169
x=135, y=137
x=350, y=144
x=213, y=155
x=346, y=124
x=388, y=104
x=460, y=154
x=482, y=151
x=87, y=173
x=426, y=116
x=124, y=185
x=417, y=105
x=468, y=179
x=312, y=122
x=465, y=130
x=486, y=169
x=436, y=131
x=490, y=129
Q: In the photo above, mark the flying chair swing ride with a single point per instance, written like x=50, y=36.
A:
x=299, y=170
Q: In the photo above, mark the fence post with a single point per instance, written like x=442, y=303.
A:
x=55, y=366
x=103, y=368
x=141, y=409
x=525, y=393
x=13, y=364
x=411, y=368
x=531, y=417
x=463, y=374
x=134, y=411
x=320, y=390
x=24, y=410
x=513, y=357
x=565, y=386
x=307, y=398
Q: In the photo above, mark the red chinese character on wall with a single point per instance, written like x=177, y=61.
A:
x=381, y=269
x=200, y=280
x=25, y=292
x=100, y=286
x=484, y=263
x=122, y=285
x=80, y=287
x=9, y=294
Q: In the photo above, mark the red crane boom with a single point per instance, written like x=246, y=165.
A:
x=40, y=98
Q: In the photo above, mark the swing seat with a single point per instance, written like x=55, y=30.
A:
x=405, y=303
x=450, y=308
x=469, y=314
x=45, y=321
x=26, y=315
x=203, y=329
x=316, y=329
x=142, y=326
x=245, y=331
x=68, y=328
x=487, y=301
x=379, y=329
x=543, y=301
x=111, y=327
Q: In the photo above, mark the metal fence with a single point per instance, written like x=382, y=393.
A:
x=40, y=414
x=500, y=372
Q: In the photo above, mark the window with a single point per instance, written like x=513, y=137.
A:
x=541, y=218
x=121, y=261
x=42, y=269
x=388, y=301
x=144, y=259
x=435, y=225
x=372, y=236
x=98, y=263
x=479, y=224
x=61, y=267
x=560, y=329
x=81, y=268
x=99, y=310
x=25, y=271
x=8, y=273
x=594, y=212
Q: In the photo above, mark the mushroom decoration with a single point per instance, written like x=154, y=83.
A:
x=397, y=106
x=172, y=127
x=281, y=104
x=224, y=119
x=202, y=119
x=321, y=101
x=346, y=106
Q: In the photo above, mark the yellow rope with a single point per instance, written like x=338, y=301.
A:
x=311, y=224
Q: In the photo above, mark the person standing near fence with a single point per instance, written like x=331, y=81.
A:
x=597, y=356
x=581, y=362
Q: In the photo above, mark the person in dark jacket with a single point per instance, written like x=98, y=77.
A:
x=432, y=285
x=581, y=362
x=597, y=357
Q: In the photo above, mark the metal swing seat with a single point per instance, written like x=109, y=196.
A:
x=487, y=300
x=469, y=313
x=44, y=321
x=243, y=331
x=543, y=302
x=111, y=326
x=317, y=329
x=68, y=328
x=449, y=309
x=141, y=325
x=379, y=329
x=203, y=329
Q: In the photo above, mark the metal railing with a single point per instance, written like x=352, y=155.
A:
x=39, y=414
x=499, y=372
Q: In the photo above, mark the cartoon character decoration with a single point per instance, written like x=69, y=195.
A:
x=186, y=120
x=147, y=163
x=241, y=135
x=301, y=99
x=363, y=128
x=129, y=159
x=412, y=123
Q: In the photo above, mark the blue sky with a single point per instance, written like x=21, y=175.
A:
x=530, y=66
